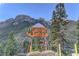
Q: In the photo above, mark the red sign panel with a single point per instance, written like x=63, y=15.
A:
x=38, y=32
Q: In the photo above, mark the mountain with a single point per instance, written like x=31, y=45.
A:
x=18, y=24
x=71, y=31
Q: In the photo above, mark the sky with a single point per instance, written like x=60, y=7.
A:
x=37, y=10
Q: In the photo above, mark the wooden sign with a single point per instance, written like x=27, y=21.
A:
x=38, y=32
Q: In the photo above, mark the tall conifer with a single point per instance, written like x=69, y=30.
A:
x=57, y=27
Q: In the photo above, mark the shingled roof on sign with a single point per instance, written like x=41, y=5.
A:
x=38, y=25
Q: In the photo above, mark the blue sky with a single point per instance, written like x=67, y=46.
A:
x=10, y=10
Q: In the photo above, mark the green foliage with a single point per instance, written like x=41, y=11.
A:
x=78, y=24
x=26, y=45
x=54, y=36
x=40, y=45
x=1, y=48
x=57, y=27
x=35, y=44
x=11, y=47
x=78, y=35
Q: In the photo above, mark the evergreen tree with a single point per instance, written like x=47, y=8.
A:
x=1, y=48
x=57, y=28
x=35, y=44
x=11, y=46
x=78, y=35
x=26, y=46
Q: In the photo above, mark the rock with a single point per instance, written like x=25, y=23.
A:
x=43, y=53
x=36, y=53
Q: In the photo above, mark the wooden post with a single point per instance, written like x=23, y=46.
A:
x=45, y=43
x=30, y=48
x=59, y=50
x=76, y=53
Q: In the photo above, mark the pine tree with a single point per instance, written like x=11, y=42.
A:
x=26, y=46
x=57, y=28
x=11, y=46
x=78, y=36
x=35, y=44
x=1, y=48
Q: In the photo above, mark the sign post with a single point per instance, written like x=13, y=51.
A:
x=59, y=50
x=76, y=53
x=30, y=48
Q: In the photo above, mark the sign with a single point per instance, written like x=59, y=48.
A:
x=38, y=32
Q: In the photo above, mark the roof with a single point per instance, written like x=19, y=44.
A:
x=38, y=25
